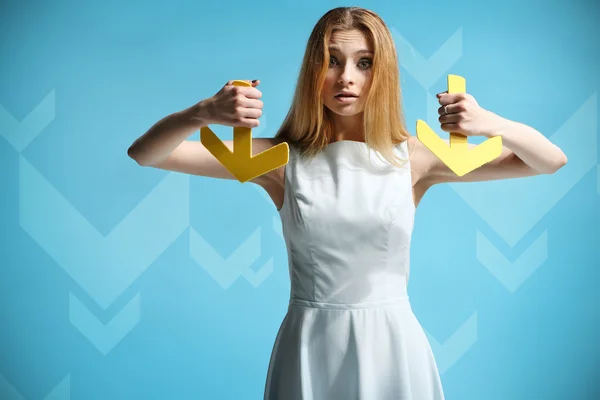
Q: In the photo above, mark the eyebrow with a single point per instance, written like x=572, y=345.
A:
x=362, y=51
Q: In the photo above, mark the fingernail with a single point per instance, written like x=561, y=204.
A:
x=254, y=81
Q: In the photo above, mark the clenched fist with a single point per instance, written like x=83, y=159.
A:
x=236, y=106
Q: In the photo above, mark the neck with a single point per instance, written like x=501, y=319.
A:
x=347, y=128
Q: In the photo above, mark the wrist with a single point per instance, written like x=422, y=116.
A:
x=197, y=116
x=498, y=126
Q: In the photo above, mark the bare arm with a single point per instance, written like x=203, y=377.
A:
x=165, y=146
x=526, y=152
x=167, y=134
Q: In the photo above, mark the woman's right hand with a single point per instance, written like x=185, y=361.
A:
x=236, y=106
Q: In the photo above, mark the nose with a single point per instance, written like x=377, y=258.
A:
x=346, y=77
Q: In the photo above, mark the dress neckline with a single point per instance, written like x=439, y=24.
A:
x=345, y=140
x=354, y=143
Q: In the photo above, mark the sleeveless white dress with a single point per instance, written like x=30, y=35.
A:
x=349, y=332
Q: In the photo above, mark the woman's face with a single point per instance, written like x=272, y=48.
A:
x=348, y=78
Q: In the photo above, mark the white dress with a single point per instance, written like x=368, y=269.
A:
x=349, y=332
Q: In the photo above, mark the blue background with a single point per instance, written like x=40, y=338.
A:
x=123, y=282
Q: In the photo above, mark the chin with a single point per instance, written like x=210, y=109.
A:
x=344, y=111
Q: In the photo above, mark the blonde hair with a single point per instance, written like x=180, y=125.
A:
x=307, y=124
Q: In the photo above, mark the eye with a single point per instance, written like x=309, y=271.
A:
x=332, y=60
x=365, y=63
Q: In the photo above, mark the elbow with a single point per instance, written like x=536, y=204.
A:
x=135, y=154
x=560, y=162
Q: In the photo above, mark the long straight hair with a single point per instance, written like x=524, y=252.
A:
x=308, y=125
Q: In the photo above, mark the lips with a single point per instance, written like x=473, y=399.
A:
x=346, y=94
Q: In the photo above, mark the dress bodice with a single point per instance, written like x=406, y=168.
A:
x=347, y=220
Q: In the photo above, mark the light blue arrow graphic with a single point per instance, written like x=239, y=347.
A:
x=104, y=337
x=512, y=274
x=20, y=134
x=258, y=277
x=513, y=207
x=8, y=391
x=428, y=71
x=225, y=271
x=62, y=391
x=447, y=354
x=104, y=266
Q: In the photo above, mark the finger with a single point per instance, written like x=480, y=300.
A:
x=255, y=83
x=252, y=103
x=450, y=127
x=449, y=118
x=449, y=98
x=250, y=92
x=448, y=109
x=252, y=113
x=249, y=122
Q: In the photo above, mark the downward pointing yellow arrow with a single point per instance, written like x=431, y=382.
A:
x=240, y=162
x=458, y=156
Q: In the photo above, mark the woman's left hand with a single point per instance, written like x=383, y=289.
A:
x=460, y=113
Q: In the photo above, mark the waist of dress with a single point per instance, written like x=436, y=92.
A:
x=394, y=301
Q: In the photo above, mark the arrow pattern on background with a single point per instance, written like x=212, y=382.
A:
x=62, y=391
x=428, y=71
x=225, y=271
x=512, y=274
x=256, y=278
x=104, y=336
x=527, y=200
x=103, y=266
x=20, y=134
x=447, y=354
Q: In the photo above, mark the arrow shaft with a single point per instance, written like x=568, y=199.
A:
x=458, y=142
x=242, y=142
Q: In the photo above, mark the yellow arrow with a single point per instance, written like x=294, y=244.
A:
x=240, y=162
x=458, y=156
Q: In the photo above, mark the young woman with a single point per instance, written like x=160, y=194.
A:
x=347, y=199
